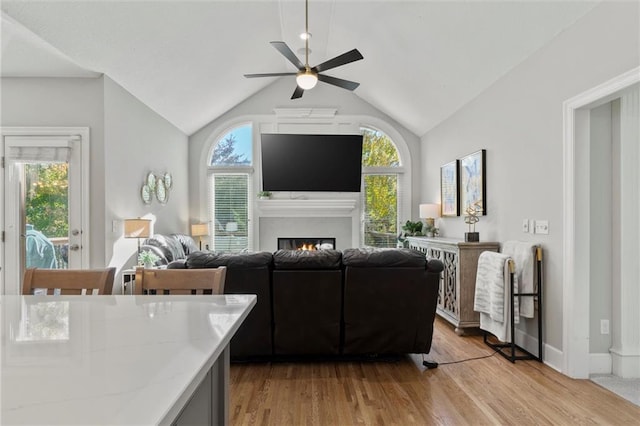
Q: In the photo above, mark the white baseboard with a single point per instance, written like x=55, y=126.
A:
x=553, y=357
x=526, y=341
x=626, y=366
x=600, y=363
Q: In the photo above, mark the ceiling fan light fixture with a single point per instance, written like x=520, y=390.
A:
x=307, y=79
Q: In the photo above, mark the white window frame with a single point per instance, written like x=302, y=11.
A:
x=239, y=170
x=403, y=183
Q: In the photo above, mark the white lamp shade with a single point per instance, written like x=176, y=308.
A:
x=199, y=229
x=137, y=228
x=429, y=211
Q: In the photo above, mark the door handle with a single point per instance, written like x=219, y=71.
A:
x=75, y=232
x=74, y=247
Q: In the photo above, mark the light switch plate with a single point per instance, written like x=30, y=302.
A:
x=542, y=226
x=532, y=226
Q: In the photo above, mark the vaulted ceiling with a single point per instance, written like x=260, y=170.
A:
x=423, y=60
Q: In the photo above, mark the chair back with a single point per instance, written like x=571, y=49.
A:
x=180, y=281
x=69, y=281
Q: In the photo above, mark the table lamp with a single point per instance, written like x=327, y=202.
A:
x=429, y=212
x=137, y=228
x=200, y=230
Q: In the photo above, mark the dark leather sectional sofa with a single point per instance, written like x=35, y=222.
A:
x=323, y=303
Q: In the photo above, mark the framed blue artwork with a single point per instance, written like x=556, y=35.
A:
x=473, y=190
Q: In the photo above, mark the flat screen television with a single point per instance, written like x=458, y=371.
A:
x=293, y=162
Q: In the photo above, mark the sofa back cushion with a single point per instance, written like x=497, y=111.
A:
x=187, y=243
x=205, y=259
x=169, y=246
x=383, y=257
x=310, y=260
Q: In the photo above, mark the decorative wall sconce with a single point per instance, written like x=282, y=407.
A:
x=158, y=185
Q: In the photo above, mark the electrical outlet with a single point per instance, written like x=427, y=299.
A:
x=542, y=227
x=525, y=225
x=604, y=326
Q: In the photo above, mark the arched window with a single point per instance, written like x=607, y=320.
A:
x=381, y=189
x=230, y=183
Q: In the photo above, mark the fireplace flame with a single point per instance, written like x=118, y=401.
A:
x=307, y=247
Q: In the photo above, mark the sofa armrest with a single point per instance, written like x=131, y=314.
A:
x=434, y=265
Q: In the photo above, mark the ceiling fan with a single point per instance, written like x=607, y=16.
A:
x=307, y=77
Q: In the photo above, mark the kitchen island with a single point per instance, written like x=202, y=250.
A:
x=118, y=359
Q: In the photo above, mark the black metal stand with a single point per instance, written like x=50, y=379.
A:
x=511, y=348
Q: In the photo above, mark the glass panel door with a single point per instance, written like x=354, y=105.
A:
x=46, y=215
x=43, y=206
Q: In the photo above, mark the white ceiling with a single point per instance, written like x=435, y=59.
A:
x=423, y=60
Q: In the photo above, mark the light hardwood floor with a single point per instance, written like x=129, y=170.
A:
x=482, y=392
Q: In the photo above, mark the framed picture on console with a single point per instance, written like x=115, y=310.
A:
x=449, y=193
x=473, y=188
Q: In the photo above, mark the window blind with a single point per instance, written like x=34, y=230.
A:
x=39, y=149
x=229, y=203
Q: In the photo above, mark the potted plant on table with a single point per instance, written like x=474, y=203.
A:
x=411, y=229
x=264, y=195
x=147, y=259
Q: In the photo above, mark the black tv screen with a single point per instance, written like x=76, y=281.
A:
x=331, y=163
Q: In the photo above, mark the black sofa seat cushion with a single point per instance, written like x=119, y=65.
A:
x=383, y=257
x=307, y=260
x=204, y=259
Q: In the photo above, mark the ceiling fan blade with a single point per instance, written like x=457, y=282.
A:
x=282, y=47
x=345, y=84
x=345, y=58
x=297, y=93
x=272, y=74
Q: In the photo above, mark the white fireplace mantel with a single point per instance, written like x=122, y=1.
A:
x=307, y=208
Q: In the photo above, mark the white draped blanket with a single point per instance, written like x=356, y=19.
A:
x=491, y=299
x=492, y=274
x=523, y=254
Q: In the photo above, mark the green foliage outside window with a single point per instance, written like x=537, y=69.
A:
x=380, y=190
x=47, y=207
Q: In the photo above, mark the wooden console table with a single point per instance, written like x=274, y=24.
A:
x=458, y=280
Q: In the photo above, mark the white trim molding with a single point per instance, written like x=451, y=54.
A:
x=306, y=208
x=575, y=333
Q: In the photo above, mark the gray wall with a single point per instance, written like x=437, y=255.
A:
x=68, y=102
x=139, y=141
x=601, y=183
x=127, y=141
x=518, y=121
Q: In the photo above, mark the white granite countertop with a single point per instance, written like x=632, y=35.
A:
x=109, y=359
